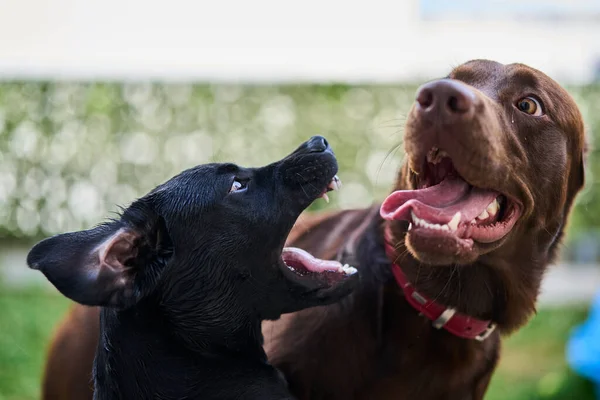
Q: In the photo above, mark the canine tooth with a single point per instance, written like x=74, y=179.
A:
x=409, y=226
x=484, y=215
x=453, y=224
x=325, y=197
x=492, y=208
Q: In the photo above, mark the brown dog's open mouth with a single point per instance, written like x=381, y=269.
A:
x=445, y=205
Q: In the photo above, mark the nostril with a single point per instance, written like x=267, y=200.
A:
x=425, y=98
x=459, y=104
x=325, y=143
x=453, y=103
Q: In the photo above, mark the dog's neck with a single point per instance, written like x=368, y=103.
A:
x=140, y=349
x=489, y=289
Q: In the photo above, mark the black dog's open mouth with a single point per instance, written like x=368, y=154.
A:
x=305, y=265
x=445, y=205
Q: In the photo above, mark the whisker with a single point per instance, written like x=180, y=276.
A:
x=313, y=186
x=389, y=154
x=447, y=283
x=302, y=187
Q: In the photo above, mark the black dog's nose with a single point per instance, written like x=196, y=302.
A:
x=446, y=98
x=317, y=144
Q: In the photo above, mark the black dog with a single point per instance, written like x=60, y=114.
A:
x=189, y=271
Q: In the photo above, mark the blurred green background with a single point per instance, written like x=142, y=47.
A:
x=70, y=153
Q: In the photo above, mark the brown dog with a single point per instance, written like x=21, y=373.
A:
x=454, y=257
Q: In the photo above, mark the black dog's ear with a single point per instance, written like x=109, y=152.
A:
x=112, y=265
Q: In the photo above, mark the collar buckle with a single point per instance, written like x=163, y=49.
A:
x=485, y=334
x=444, y=318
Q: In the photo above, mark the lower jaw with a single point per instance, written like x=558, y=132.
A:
x=435, y=249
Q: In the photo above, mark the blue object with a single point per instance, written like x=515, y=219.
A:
x=583, y=348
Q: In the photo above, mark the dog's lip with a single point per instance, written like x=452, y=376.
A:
x=303, y=263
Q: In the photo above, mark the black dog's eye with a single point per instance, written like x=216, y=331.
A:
x=238, y=185
x=531, y=106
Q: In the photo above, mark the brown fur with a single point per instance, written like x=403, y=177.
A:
x=68, y=370
x=373, y=345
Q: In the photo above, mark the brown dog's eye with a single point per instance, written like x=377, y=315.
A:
x=530, y=106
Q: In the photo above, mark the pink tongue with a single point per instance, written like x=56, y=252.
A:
x=310, y=263
x=439, y=203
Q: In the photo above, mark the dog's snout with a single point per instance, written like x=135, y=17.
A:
x=446, y=98
x=317, y=144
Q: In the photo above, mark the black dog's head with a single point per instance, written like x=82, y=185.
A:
x=211, y=236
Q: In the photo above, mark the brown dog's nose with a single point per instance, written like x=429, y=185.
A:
x=446, y=98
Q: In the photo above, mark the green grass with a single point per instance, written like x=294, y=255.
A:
x=27, y=320
x=533, y=364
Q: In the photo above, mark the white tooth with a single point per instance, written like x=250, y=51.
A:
x=453, y=224
x=335, y=183
x=325, y=197
x=484, y=215
x=492, y=208
x=414, y=218
x=348, y=270
x=410, y=226
x=429, y=225
x=338, y=182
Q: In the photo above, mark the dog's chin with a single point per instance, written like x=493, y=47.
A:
x=435, y=248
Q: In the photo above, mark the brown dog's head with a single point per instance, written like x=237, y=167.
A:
x=494, y=161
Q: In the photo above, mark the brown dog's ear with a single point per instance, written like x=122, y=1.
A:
x=111, y=265
x=584, y=156
x=577, y=178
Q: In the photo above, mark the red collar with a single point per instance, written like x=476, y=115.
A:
x=458, y=324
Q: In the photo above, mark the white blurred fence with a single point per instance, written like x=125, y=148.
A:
x=309, y=40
